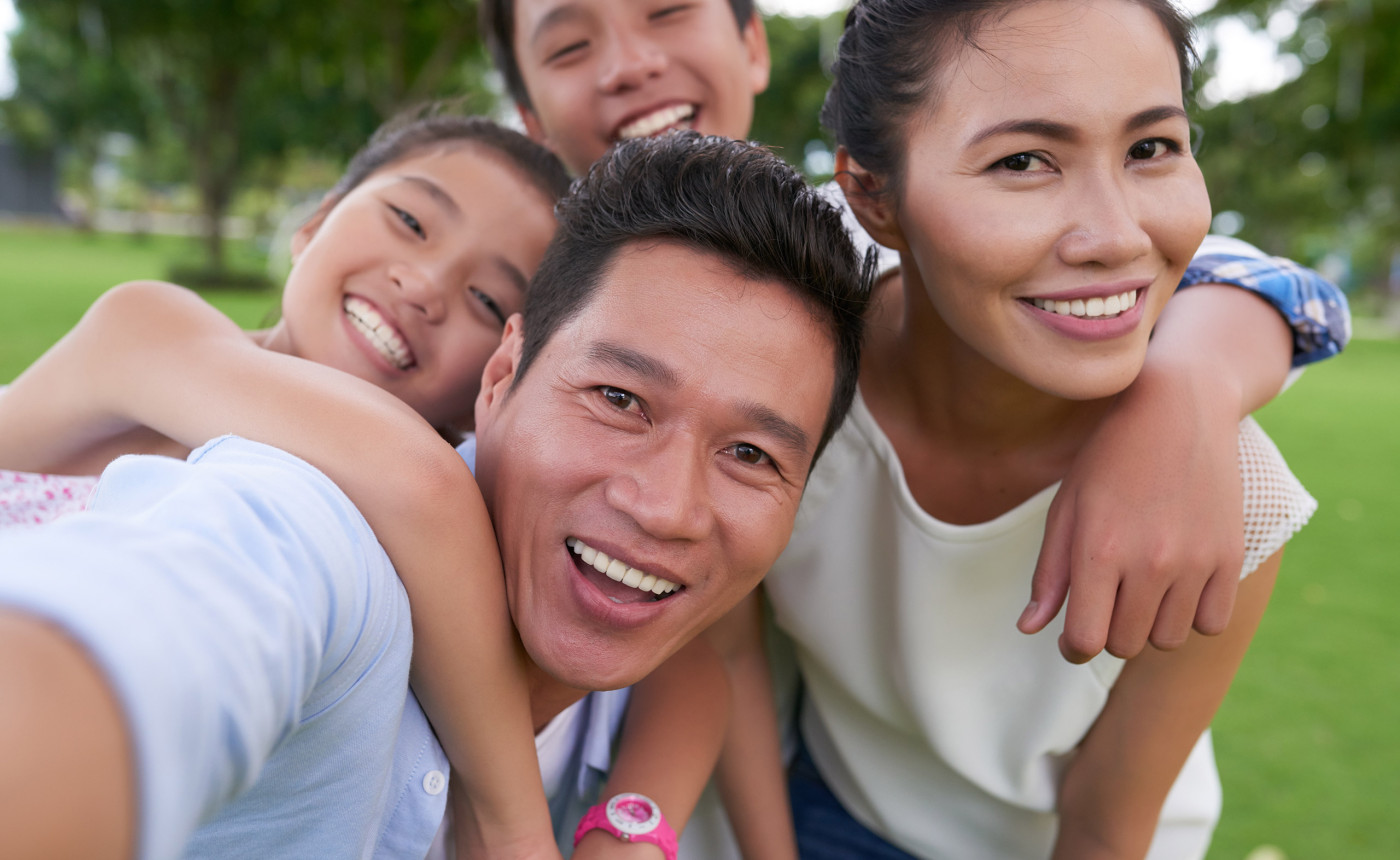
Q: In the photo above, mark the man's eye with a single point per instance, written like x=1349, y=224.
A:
x=751, y=455
x=410, y=222
x=620, y=399
x=491, y=305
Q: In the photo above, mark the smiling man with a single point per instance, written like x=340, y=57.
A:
x=644, y=435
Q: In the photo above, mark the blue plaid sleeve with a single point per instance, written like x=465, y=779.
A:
x=1314, y=307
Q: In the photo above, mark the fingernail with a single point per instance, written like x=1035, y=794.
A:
x=1028, y=612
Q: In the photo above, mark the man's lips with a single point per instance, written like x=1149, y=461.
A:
x=619, y=581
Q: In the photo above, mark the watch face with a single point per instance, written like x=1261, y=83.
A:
x=633, y=814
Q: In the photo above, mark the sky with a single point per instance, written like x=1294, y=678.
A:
x=1248, y=60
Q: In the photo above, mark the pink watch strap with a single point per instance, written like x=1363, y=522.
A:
x=622, y=807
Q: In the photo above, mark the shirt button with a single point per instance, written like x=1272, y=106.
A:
x=434, y=782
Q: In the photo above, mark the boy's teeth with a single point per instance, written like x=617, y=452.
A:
x=1095, y=308
x=620, y=571
x=382, y=336
x=656, y=121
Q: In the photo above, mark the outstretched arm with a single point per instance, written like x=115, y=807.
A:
x=1144, y=534
x=155, y=355
x=670, y=738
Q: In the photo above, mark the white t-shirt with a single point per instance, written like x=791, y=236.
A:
x=934, y=721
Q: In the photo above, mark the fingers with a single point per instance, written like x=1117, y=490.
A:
x=1050, y=583
x=1093, y=595
x=1217, y=602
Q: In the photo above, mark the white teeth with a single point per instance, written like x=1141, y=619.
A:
x=656, y=121
x=1094, y=308
x=620, y=571
x=382, y=336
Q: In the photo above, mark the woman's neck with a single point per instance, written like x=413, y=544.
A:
x=974, y=440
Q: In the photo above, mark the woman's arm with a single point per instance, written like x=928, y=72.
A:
x=1112, y=792
x=671, y=737
x=155, y=355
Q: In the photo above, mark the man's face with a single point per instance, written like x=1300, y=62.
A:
x=599, y=71
x=668, y=427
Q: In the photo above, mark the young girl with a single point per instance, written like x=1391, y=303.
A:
x=1031, y=163
x=402, y=282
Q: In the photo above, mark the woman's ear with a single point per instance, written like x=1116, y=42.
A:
x=306, y=232
x=499, y=373
x=869, y=200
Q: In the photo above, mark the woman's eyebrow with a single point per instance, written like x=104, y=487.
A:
x=1064, y=131
x=436, y=192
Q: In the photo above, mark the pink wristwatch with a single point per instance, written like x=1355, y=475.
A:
x=631, y=818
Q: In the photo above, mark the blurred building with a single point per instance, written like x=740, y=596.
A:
x=28, y=182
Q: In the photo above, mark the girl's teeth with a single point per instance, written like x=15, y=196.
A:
x=378, y=332
x=619, y=571
x=1095, y=308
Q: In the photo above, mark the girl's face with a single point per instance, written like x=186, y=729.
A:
x=1051, y=201
x=406, y=282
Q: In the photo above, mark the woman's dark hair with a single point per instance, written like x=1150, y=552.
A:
x=496, y=23
x=735, y=200
x=416, y=130
x=891, y=51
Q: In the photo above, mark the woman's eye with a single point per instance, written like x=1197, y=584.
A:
x=1022, y=162
x=1145, y=150
x=751, y=455
x=491, y=305
x=620, y=399
x=410, y=222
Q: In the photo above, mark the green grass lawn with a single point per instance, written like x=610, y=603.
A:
x=1309, y=739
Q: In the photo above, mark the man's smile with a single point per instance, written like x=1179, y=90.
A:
x=638, y=583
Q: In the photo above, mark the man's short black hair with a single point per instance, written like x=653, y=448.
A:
x=496, y=21
x=719, y=196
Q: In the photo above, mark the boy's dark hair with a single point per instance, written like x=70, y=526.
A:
x=889, y=60
x=417, y=129
x=496, y=21
x=719, y=196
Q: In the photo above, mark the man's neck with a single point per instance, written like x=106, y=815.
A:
x=548, y=697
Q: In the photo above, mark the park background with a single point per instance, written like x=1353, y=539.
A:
x=136, y=125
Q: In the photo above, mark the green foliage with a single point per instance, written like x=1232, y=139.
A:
x=786, y=115
x=1315, y=165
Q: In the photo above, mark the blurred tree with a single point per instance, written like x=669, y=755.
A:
x=228, y=85
x=1314, y=166
x=787, y=114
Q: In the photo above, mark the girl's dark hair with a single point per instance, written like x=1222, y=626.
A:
x=891, y=52
x=413, y=131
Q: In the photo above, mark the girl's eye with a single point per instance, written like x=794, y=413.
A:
x=1145, y=150
x=1022, y=162
x=620, y=399
x=410, y=222
x=490, y=304
x=750, y=455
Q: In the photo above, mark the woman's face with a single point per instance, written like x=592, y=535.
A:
x=1051, y=201
x=407, y=281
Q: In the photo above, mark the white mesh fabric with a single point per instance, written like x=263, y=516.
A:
x=1275, y=503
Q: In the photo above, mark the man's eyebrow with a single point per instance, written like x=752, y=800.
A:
x=775, y=425
x=634, y=361
x=435, y=191
x=1062, y=131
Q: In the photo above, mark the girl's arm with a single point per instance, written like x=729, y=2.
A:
x=154, y=355
x=671, y=737
x=751, y=777
x=1112, y=792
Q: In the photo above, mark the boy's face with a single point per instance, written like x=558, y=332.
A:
x=599, y=71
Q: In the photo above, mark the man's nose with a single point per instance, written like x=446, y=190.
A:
x=666, y=491
x=631, y=59
x=1107, y=223
x=421, y=290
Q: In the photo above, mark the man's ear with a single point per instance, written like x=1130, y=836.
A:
x=499, y=374
x=533, y=129
x=756, y=44
x=307, y=231
x=870, y=200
